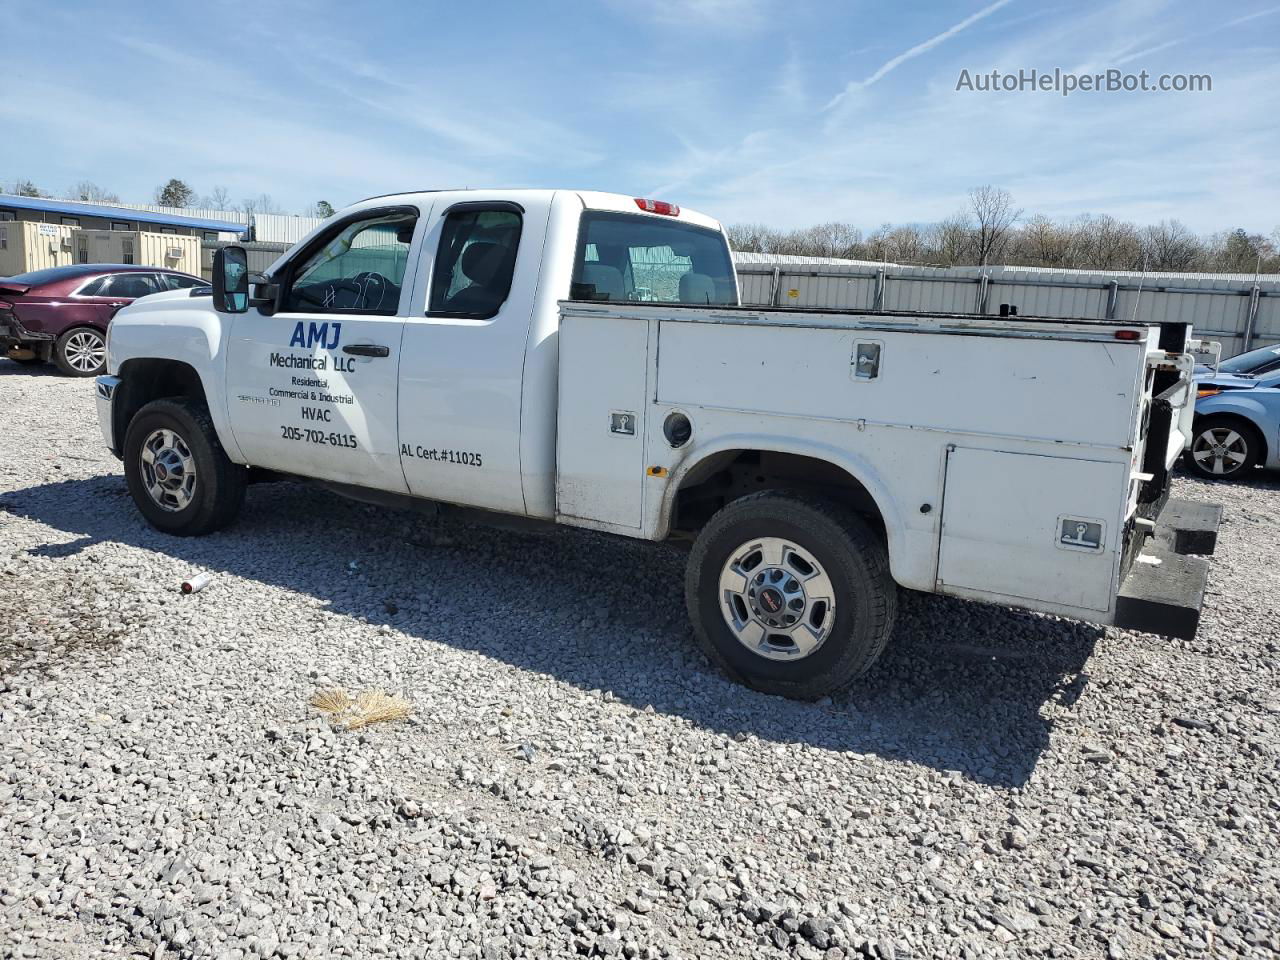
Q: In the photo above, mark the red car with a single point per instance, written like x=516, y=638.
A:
x=61, y=314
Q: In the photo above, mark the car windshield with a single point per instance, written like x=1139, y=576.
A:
x=1255, y=361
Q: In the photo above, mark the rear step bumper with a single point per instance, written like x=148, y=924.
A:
x=1164, y=588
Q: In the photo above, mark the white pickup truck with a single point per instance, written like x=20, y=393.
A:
x=582, y=358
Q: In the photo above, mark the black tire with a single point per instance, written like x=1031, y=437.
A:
x=218, y=491
x=852, y=556
x=67, y=355
x=1242, y=453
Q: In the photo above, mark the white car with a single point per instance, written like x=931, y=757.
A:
x=581, y=358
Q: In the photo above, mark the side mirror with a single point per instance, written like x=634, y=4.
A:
x=231, y=280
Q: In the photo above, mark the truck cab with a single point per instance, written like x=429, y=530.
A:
x=582, y=358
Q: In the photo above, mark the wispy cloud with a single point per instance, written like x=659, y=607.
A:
x=918, y=50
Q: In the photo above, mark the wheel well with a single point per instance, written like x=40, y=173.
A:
x=142, y=381
x=1241, y=421
x=726, y=476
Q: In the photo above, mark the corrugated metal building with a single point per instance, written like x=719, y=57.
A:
x=99, y=216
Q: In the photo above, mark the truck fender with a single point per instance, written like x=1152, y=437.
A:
x=853, y=465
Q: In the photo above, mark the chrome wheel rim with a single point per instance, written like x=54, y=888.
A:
x=777, y=599
x=1220, y=451
x=85, y=351
x=168, y=470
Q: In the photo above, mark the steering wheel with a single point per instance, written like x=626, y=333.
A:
x=370, y=283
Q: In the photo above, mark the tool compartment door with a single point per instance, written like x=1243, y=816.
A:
x=1031, y=527
x=604, y=368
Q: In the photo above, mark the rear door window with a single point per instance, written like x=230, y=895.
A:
x=475, y=261
x=176, y=282
x=130, y=286
x=644, y=259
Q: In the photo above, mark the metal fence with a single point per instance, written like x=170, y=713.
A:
x=1238, y=310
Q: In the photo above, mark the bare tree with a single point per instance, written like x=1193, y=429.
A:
x=749, y=237
x=262, y=203
x=1168, y=245
x=1042, y=243
x=89, y=191
x=25, y=188
x=1105, y=243
x=993, y=210
x=950, y=240
x=219, y=198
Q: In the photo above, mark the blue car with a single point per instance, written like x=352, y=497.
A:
x=1237, y=425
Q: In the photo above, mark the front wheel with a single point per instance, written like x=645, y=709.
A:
x=177, y=472
x=81, y=352
x=1223, y=448
x=790, y=593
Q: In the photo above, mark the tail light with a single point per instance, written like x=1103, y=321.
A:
x=658, y=206
x=1127, y=335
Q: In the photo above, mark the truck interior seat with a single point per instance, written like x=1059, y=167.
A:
x=606, y=279
x=488, y=266
x=697, y=288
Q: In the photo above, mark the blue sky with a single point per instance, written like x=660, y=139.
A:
x=787, y=113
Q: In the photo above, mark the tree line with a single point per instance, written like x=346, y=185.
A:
x=991, y=230
x=173, y=193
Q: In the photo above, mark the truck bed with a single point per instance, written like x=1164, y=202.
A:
x=1003, y=454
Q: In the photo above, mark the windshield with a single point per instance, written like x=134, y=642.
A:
x=627, y=258
x=1255, y=361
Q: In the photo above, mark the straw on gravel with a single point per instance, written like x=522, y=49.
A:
x=370, y=706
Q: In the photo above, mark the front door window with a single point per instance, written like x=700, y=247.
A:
x=359, y=269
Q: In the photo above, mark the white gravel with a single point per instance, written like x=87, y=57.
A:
x=576, y=779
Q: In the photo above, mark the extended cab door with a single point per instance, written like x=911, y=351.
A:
x=311, y=389
x=464, y=353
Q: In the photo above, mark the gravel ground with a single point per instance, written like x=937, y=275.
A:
x=576, y=779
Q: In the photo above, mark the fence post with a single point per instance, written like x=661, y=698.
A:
x=1254, y=295
x=878, y=304
x=982, y=293
x=775, y=285
x=1113, y=297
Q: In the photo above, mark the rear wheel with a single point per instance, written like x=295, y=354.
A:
x=81, y=352
x=177, y=472
x=790, y=594
x=1223, y=448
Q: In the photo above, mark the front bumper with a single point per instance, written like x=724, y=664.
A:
x=105, y=390
x=1163, y=589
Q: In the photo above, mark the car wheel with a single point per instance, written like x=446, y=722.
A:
x=81, y=352
x=790, y=594
x=1223, y=448
x=177, y=472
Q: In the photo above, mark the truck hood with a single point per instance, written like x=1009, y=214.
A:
x=167, y=300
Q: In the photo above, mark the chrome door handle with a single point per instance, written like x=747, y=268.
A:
x=367, y=350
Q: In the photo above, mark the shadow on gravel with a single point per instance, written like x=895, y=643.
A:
x=962, y=686
x=11, y=368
